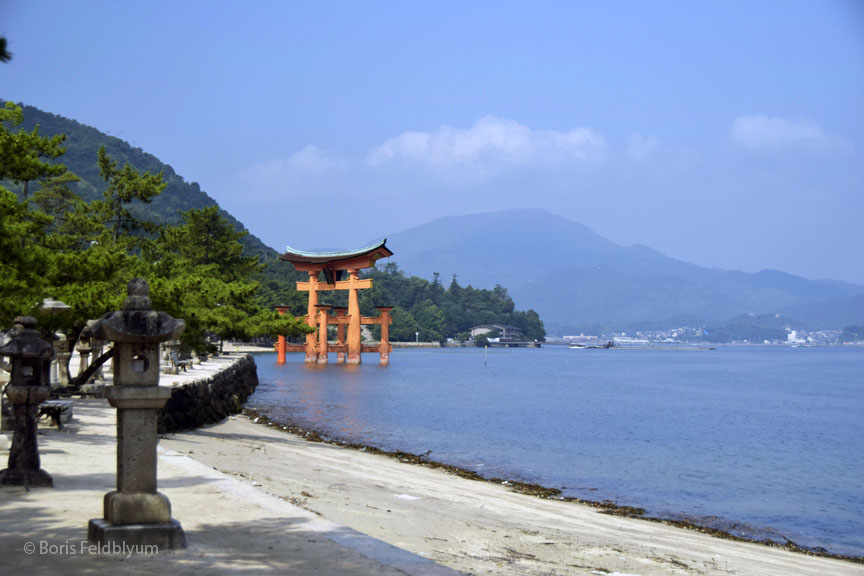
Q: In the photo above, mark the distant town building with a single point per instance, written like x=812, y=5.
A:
x=793, y=338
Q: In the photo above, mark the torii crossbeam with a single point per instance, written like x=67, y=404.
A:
x=334, y=266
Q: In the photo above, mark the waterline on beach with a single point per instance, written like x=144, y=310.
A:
x=634, y=430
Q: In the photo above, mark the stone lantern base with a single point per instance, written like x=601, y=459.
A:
x=167, y=536
x=24, y=463
x=137, y=515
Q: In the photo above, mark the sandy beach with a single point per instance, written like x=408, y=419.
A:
x=255, y=499
x=474, y=527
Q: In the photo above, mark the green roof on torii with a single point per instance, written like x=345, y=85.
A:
x=374, y=252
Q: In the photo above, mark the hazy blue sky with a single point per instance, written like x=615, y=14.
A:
x=723, y=133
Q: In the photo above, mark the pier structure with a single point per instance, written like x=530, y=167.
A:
x=337, y=271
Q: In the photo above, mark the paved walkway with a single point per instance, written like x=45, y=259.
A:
x=231, y=527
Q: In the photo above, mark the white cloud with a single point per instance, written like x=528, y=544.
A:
x=309, y=160
x=771, y=132
x=639, y=148
x=313, y=159
x=490, y=140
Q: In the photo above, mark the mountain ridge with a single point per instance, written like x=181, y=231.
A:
x=82, y=144
x=578, y=280
x=575, y=278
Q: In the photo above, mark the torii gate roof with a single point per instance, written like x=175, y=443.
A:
x=362, y=258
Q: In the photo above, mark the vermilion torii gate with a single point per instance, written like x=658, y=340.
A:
x=334, y=266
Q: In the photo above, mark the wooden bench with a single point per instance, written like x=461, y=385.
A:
x=59, y=411
x=177, y=364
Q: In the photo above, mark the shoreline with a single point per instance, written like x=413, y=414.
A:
x=537, y=490
x=469, y=526
x=251, y=496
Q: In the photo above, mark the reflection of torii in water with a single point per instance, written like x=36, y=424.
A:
x=334, y=266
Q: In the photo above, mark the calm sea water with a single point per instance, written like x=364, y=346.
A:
x=764, y=442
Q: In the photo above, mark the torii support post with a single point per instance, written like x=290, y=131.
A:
x=355, y=337
x=311, y=318
x=280, y=341
x=340, y=334
x=322, y=333
x=384, y=345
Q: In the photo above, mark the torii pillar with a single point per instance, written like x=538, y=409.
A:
x=280, y=342
x=355, y=336
x=312, y=318
x=384, y=346
x=340, y=334
x=322, y=333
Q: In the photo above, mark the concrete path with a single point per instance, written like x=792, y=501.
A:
x=231, y=527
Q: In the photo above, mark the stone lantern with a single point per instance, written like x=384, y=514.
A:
x=136, y=513
x=60, y=367
x=29, y=385
x=84, y=347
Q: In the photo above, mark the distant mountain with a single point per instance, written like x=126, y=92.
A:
x=574, y=278
x=82, y=145
x=579, y=281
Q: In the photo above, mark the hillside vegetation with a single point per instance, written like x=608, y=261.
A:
x=75, y=173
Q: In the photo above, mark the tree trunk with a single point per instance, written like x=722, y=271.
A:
x=72, y=339
x=82, y=379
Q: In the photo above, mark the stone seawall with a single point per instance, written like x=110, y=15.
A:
x=210, y=400
x=415, y=344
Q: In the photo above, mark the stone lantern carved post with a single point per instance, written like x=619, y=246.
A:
x=64, y=353
x=29, y=385
x=136, y=513
x=84, y=348
x=60, y=367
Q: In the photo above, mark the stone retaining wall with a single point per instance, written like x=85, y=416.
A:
x=209, y=401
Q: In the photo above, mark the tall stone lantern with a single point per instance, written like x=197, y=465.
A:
x=136, y=513
x=29, y=385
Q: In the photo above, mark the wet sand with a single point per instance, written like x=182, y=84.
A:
x=472, y=526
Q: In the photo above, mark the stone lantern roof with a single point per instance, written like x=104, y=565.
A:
x=26, y=341
x=138, y=322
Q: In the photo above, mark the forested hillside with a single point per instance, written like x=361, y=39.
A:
x=428, y=311
x=421, y=306
x=82, y=145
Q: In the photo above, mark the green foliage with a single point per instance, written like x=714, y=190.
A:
x=26, y=156
x=438, y=314
x=530, y=324
x=207, y=238
x=430, y=320
x=62, y=247
x=278, y=281
x=125, y=185
x=23, y=263
x=82, y=151
x=202, y=276
x=404, y=326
